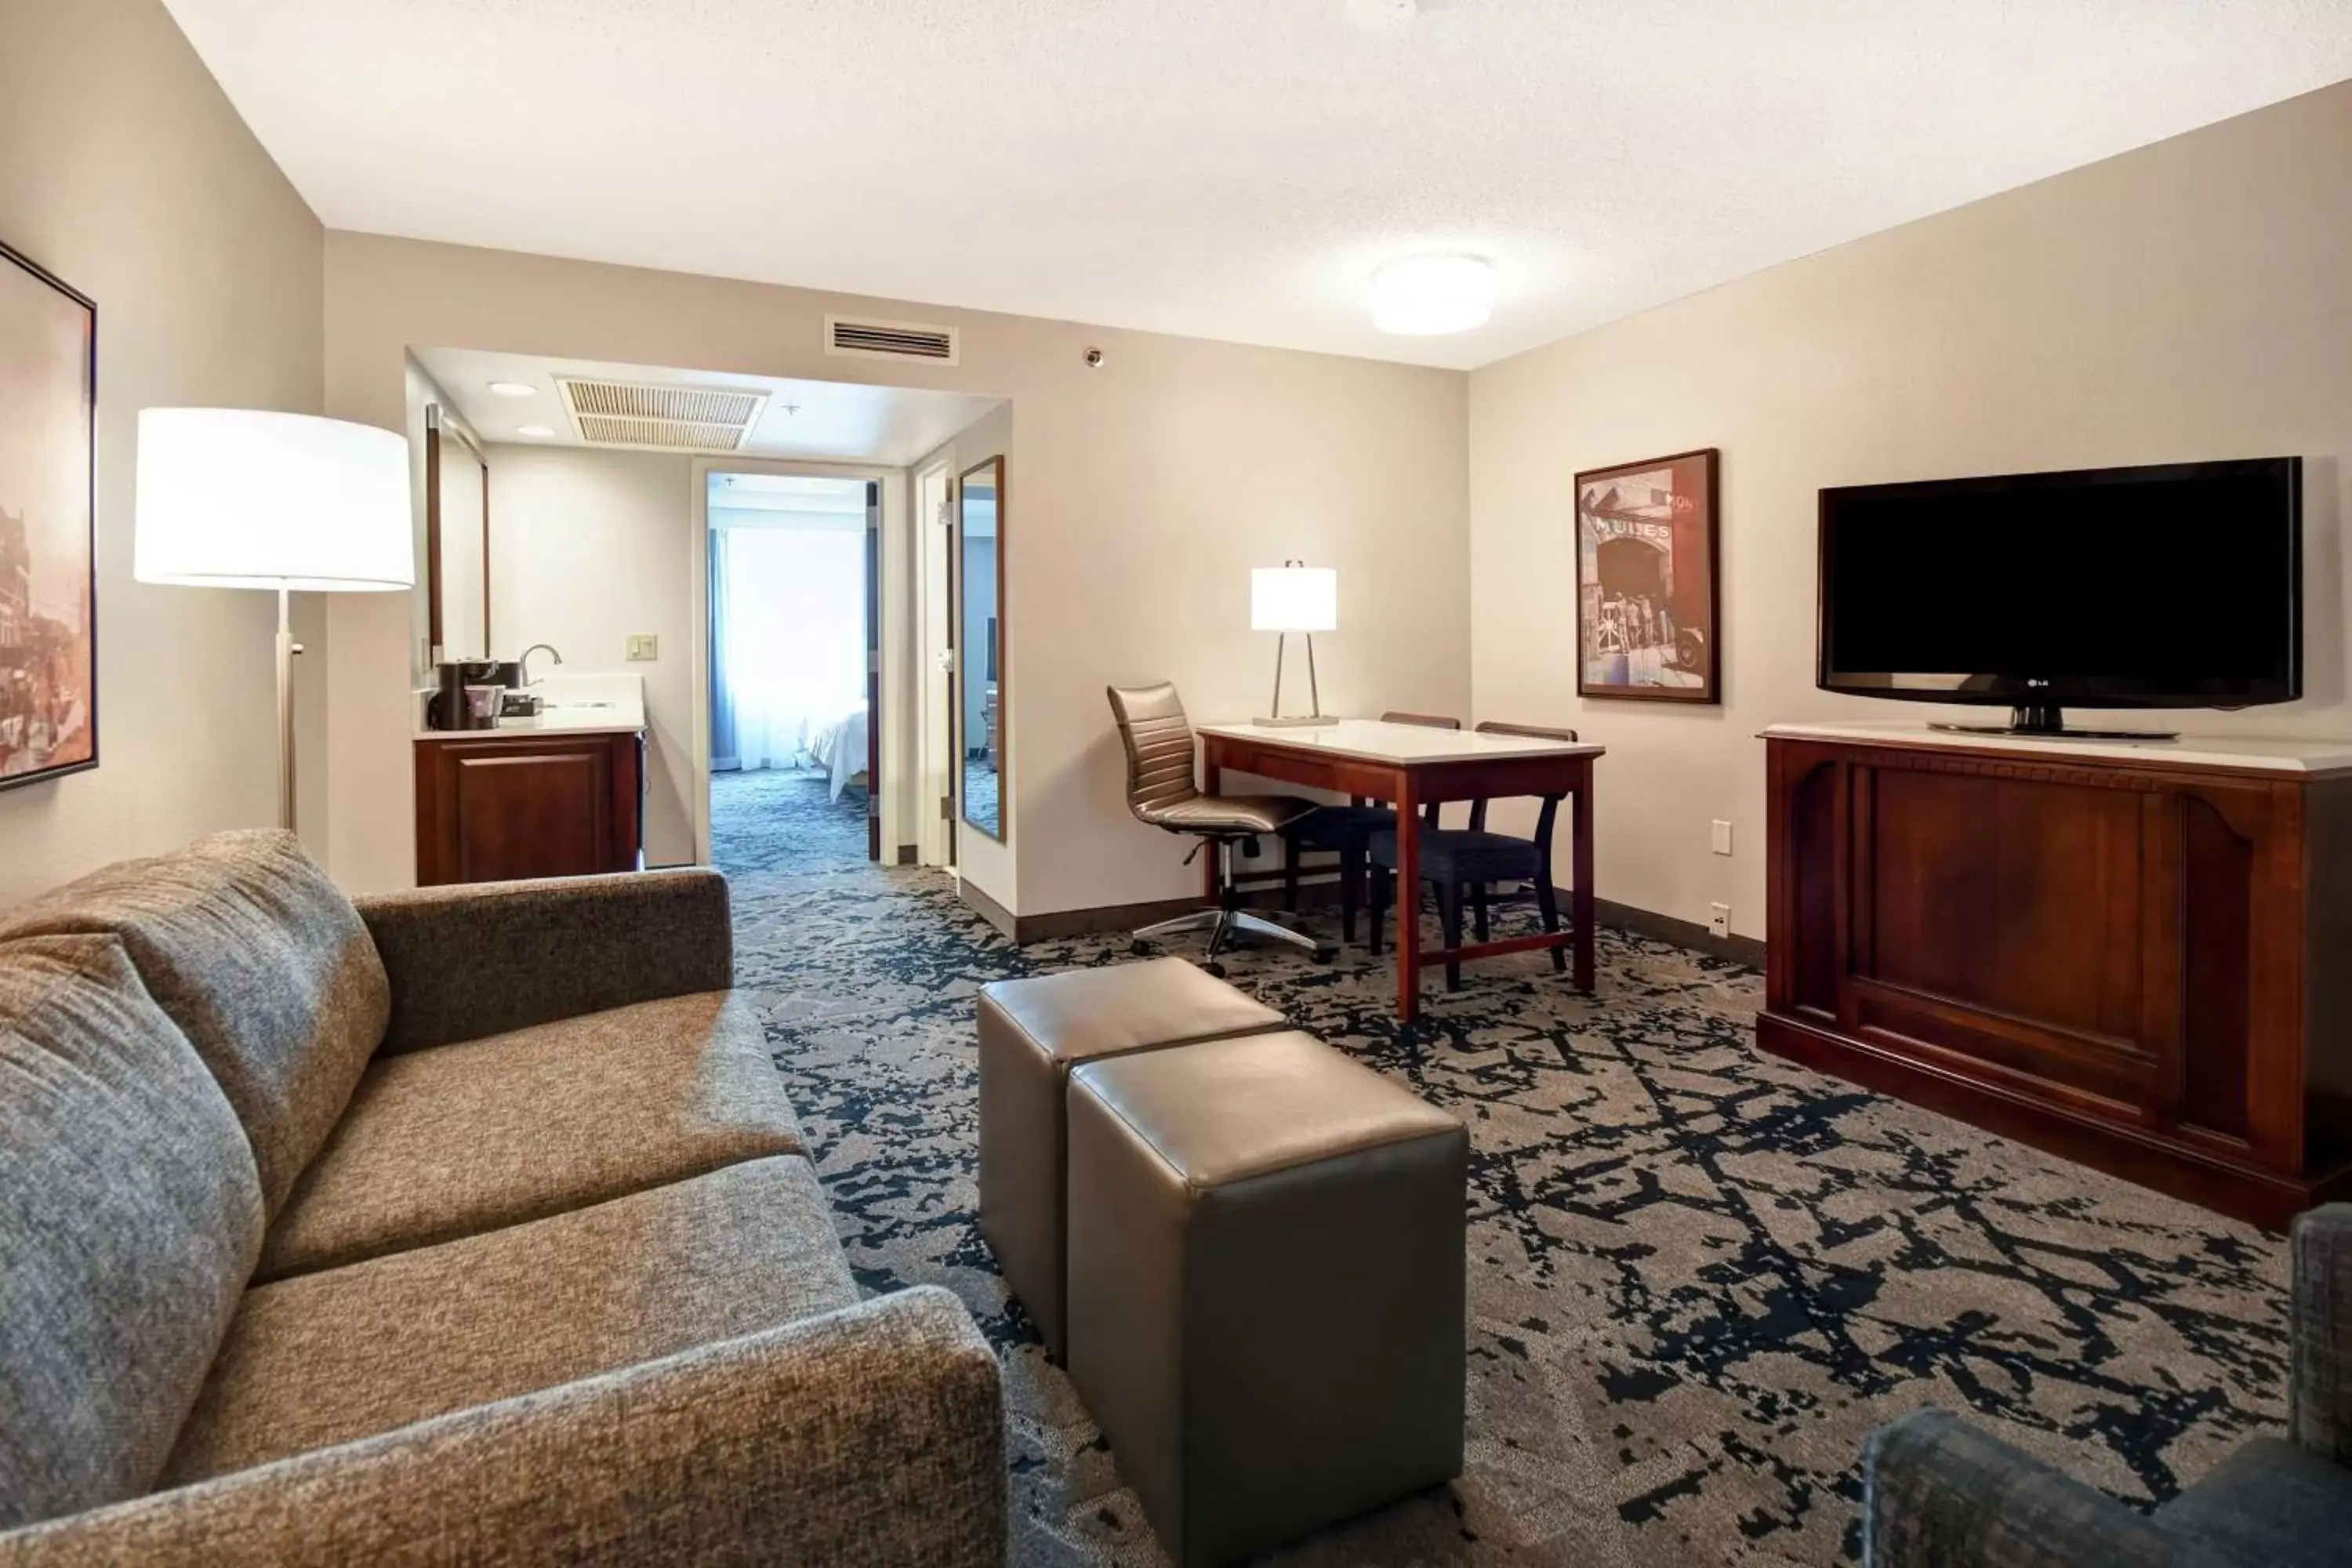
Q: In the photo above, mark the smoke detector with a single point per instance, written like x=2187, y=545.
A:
x=1382, y=16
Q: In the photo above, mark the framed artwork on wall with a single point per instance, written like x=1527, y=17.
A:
x=49, y=595
x=1647, y=596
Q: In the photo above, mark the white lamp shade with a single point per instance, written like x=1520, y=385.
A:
x=238, y=497
x=1294, y=599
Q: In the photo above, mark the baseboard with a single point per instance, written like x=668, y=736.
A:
x=996, y=914
x=1747, y=949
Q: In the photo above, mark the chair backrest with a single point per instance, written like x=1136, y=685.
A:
x=1159, y=742
x=1550, y=815
x=1427, y=720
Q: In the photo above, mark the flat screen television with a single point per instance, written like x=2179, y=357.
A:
x=2173, y=586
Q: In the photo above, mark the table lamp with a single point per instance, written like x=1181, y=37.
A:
x=1294, y=597
x=238, y=497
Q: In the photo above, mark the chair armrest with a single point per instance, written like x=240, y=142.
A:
x=867, y=1436
x=2319, y=1390
x=1936, y=1493
x=486, y=957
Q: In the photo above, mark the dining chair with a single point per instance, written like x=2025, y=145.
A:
x=1461, y=862
x=1162, y=790
x=1346, y=830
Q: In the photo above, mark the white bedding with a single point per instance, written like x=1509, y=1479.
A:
x=838, y=744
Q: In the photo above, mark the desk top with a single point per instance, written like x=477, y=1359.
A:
x=2303, y=759
x=1399, y=745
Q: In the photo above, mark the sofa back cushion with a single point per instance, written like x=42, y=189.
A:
x=264, y=965
x=130, y=1219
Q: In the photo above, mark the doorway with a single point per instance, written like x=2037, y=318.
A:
x=795, y=688
x=935, y=518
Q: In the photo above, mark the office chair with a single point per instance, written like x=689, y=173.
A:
x=1455, y=860
x=1161, y=790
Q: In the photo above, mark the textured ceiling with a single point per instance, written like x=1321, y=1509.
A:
x=1228, y=168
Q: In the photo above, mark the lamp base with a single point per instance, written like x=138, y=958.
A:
x=1307, y=722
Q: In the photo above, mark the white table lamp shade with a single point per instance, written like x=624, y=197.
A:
x=1294, y=599
x=237, y=498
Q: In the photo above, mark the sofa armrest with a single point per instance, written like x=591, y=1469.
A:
x=485, y=957
x=1936, y=1493
x=871, y=1436
x=2319, y=1391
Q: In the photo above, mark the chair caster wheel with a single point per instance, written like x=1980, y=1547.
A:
x=1213, y=967
x=1140, y=948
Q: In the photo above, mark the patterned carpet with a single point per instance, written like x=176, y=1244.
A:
x=1698, y=1275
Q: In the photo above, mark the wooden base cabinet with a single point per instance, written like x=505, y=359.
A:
x=2144, y=967
x=492, y=807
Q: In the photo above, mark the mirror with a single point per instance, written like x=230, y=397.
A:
x=456, y=542
x=980, y=642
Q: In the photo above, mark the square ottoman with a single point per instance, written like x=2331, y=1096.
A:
x=1032, y=1032
x=1266, y=1283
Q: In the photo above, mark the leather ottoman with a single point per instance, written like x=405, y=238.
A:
x=1032, y=1032
x=1267, y=1281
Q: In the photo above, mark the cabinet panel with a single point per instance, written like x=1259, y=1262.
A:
x=500, y=809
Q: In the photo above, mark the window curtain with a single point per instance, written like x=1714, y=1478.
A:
x=722, y=692
x=790, y=634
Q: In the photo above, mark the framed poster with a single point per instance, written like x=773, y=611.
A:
x=1646, y=593
x=48, y=596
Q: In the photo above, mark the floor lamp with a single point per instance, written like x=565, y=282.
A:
x=237, y=498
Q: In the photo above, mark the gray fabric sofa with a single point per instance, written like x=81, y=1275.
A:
x=1939, y=1494
x=469, y=1225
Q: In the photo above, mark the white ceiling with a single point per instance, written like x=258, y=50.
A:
x=1228, y=168
x=830, y=420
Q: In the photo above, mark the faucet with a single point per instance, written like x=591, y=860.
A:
x=523, y=664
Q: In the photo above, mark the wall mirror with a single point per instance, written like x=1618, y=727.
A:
x=980, y=642
x=456, y=542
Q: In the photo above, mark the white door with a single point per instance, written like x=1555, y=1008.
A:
x=935, y=521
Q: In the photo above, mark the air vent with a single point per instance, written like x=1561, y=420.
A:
x=889, y=340
x=670, y=418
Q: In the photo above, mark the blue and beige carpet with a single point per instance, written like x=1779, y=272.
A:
x=1698, y=1276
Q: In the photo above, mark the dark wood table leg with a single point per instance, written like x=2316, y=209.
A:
x=1580, y=852
x=1408, y=898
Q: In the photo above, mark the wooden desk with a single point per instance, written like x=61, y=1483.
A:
x=1410, y=765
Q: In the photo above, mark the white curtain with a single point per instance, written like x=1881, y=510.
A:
x=792, y=637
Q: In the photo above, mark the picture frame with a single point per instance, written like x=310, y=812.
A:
x=49, y=525
x=1649, y=580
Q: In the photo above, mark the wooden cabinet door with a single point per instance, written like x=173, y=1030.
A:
x=493, y=811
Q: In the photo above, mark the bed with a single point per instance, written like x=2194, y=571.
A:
x=838, y=744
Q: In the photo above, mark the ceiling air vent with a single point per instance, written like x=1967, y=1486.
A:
x=670, y=418
x=889, y=340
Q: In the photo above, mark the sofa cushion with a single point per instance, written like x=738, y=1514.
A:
x=454, y=1140
x=130, y=1217
x=328, y=1357
x=2271, y=1502
x=262, y=962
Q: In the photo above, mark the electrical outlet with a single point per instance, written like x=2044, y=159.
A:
x=642, y=648
x=1718, y=920
x=1720, y=838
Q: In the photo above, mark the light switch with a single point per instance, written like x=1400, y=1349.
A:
x=1722, y=837
x=642, y=648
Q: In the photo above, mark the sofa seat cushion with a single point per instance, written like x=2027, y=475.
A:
x=263, y=964
x=329, y=1357
x=2271, y=1502
x=454, y=1140
x=132, y=1216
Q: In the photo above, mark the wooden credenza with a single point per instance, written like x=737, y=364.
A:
x=2136, y=956
x=495, y=804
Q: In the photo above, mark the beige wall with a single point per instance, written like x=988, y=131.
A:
x=586, y=548
x=1140, y=494
x=124, y=171
x=2191, y=299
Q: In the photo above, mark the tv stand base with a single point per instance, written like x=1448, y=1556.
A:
x=2046, y=721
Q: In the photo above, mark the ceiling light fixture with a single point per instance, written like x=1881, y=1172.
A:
x=514, y=389
x=1429, y=296
x=536, y=432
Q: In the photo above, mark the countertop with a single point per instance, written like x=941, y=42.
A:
x=573, y=705
x=2303, y=759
